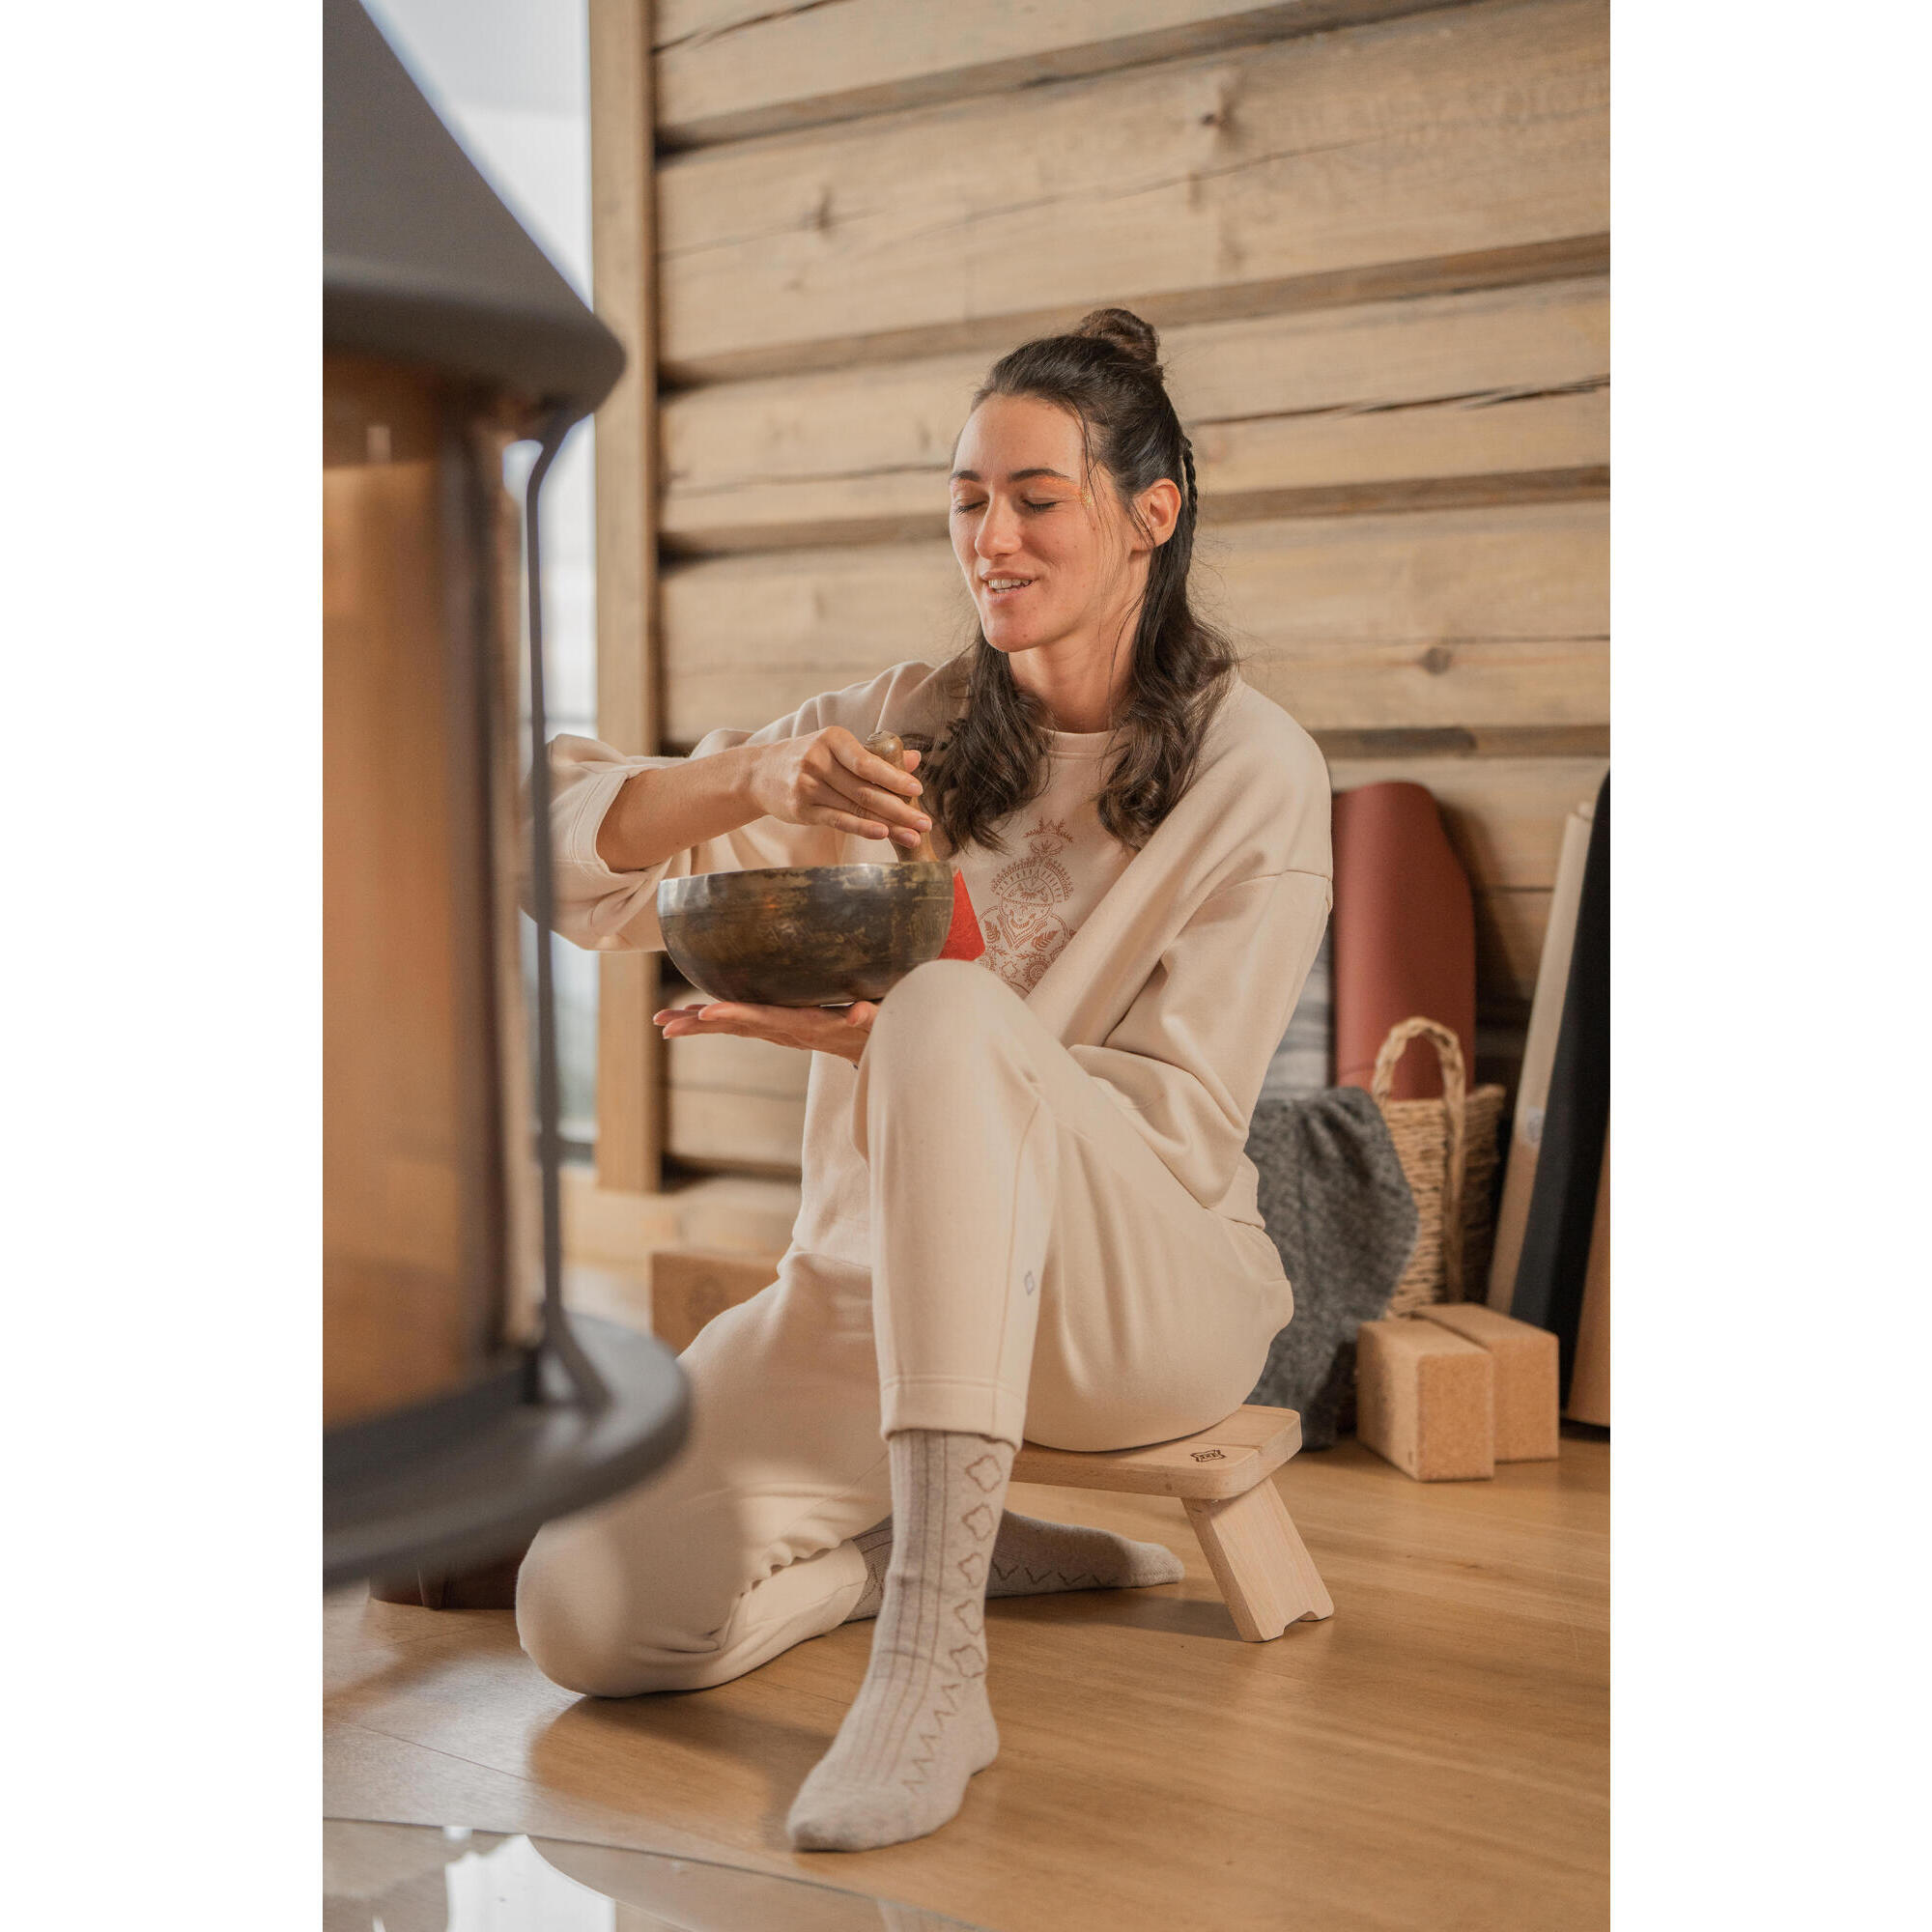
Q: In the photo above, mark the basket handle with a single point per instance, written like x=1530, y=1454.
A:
x=1449, y=1051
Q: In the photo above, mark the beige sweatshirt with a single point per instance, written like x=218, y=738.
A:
x=1169, y=974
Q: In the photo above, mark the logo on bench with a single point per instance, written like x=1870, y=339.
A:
x=1207, y=1454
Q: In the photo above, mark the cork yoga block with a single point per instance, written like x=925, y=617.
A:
x=1424, y=1400
x=689, y=1286
x=1526, y=1377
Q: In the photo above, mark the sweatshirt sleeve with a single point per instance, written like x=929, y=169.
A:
x=616, y=912
x=1189, y=1057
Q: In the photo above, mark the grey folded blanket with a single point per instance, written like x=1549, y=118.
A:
x=1344, y=1221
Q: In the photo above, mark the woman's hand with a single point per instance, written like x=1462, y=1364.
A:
x=829, y=778
x=840, y=1029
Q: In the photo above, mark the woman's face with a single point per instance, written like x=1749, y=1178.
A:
x=1048, y=556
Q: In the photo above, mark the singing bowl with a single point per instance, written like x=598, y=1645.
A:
x=806, y=936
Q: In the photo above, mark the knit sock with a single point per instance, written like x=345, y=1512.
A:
x=1033, y=1557
x=875, y=1545
x=920, y=1724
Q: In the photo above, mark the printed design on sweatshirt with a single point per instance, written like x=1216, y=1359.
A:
x=1024, y=933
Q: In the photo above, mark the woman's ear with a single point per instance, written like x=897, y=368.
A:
x=1159, y=509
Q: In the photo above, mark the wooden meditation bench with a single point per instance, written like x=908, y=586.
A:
x=1221, y=1475
x=1222, y=1479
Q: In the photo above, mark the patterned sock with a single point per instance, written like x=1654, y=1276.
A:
x=1033, y=1557
x=876, y=1548
x=920, y=1724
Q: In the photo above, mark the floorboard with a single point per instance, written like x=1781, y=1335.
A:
x=1435, y=1756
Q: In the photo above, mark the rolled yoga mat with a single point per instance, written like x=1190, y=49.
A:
x=1405, y=929
x=1589, y=1398
x=1538, y=1054
x=1304, y=1062
x=1553, y=1271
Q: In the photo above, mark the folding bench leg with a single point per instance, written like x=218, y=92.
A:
x=1260, y=1561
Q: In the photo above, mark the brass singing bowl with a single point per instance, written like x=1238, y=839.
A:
x=806, y=936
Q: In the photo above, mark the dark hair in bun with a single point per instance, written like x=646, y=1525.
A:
x=1134, y=338
x=1106, y=372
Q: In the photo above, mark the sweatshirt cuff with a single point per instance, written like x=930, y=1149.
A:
x=576, y=839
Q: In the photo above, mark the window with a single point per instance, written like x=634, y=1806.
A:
x=511, y=81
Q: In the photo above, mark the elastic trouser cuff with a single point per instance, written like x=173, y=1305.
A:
x=960, y=1407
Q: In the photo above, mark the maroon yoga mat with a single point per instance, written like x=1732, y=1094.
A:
x=1405, y=928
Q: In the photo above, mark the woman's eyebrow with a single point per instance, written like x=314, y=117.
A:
x=1016, y=476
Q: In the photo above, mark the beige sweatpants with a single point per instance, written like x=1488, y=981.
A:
x=1037, y=1270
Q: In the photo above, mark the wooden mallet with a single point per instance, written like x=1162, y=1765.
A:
x=963, y=938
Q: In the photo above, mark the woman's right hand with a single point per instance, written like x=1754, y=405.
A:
x=830, y=779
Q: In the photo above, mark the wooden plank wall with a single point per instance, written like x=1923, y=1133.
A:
x=630, y=1054
x=1374, y=236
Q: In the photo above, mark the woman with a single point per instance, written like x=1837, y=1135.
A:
x=1025, y=1205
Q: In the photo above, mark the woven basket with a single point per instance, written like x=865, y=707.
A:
x=1448, y=1151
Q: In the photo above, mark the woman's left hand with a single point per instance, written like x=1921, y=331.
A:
x=840, y=1029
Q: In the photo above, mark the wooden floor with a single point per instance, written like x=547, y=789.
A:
x=1435, y=1756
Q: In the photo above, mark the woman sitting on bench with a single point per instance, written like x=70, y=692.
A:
x=1027, y=1209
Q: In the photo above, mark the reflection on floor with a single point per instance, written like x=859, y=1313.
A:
x=1433, y=1756
x=415, y=1878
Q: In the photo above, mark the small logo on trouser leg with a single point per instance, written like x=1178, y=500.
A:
x=1030, y=1283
